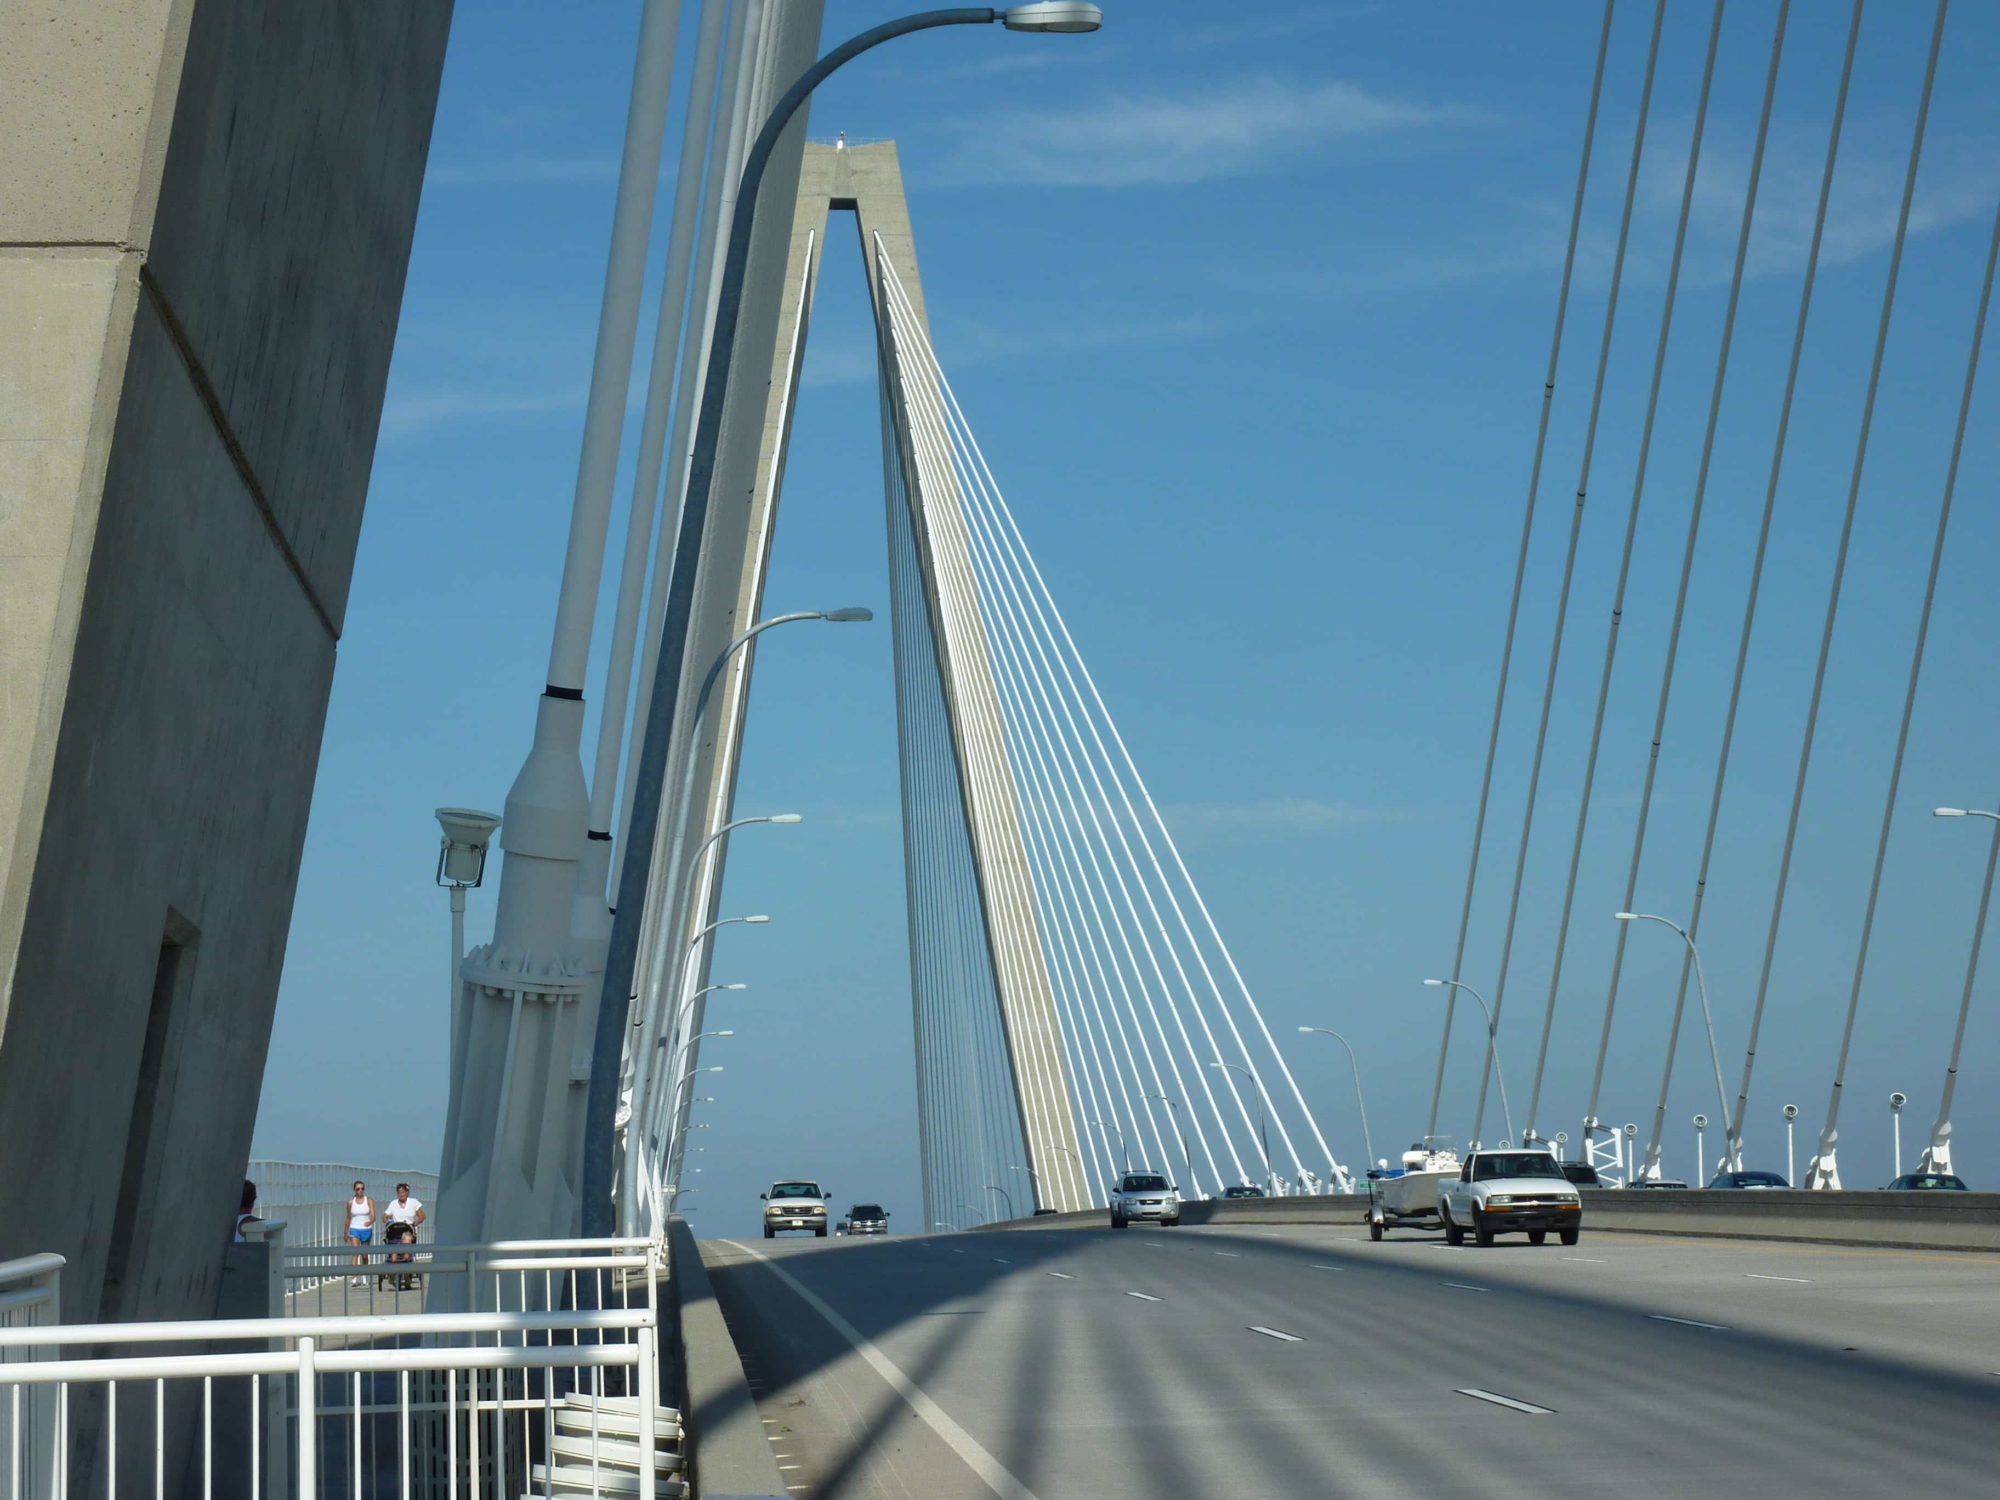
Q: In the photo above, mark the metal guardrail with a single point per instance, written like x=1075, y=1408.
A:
x=1904, y=1221
x=474, y=1404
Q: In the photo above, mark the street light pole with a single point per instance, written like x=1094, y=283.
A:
x=1492, y=1044
x=1005, y=1195
x=1731, y=1131
x=1174, y=1108
x=1263, y=1142
x=602, y=1102
x=1112, y=1126
x=1896, y=1102
x=1367, y=1142
x=1791, y=1161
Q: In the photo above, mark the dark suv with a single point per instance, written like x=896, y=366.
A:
x=867, y=1218
x=1582, y=1174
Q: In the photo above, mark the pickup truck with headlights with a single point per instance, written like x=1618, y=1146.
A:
x=1510, y=1192
x=794, y=1204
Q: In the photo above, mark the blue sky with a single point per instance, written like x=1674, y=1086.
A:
x=1251, y=317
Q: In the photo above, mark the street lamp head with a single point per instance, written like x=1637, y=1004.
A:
x=1624, y=916
x=1936, y=812
x=1897, y=1100
x=733, y=988
x=1434, y=983
x=462, y=856
x=1305, y=1031
x=722, y=1033
x=1052, y=15
x=785, y=818
x=756, y=921
x=854, y=614
x=718, y=1067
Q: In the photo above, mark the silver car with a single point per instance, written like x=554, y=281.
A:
x=1144, y=1196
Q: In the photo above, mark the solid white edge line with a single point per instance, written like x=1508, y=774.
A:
x=1507, y=1401
x=995, y=1474
x=1276, y=1333
x=1688, y=1322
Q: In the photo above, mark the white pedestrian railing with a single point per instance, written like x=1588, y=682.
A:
x=312, y=1197
x=30, y=1298
x=502, y=1276
x=477, y=1404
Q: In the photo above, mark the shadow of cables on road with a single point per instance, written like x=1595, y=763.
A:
x=1391, y=1327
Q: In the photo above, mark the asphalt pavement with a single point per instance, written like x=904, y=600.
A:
x=1307, y=1362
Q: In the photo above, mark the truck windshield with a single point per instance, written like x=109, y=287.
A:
x=1489, y=1165
x=865, y=1211
x=795, y=1190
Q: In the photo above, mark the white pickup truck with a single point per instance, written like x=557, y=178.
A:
x=1510, y=1192
x=794, y=1204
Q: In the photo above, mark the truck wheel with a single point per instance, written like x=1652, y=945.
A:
x=1453, y=1235
x=1173, y=1223
x=822, y=1231
x=1374, y=1229
x=1571, y=1236
x=1481, y=1234
x=1537, y=1236
x=1116, y=1222
x=770, y=1233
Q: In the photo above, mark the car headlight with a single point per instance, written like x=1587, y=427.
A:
x=1499, y=1199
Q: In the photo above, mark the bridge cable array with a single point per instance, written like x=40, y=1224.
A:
x=1153, y=1039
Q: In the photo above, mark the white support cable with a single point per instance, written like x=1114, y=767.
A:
x=1041, y=777
x=1840, y=556
x=1762, y=549
x=1090, y=806
x=937, y=475
x=1003, y=883
x=1256, y=1074
x=1640, y=472
x=1695, y=512
x=1520, y=575
x=1827, y=1135
x=1010, y=658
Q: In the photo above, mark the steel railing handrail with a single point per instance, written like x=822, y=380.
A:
x=213, y=1330
x=458, y=1259
x=39, y=1264
x=324, y=1361
x=494, y=1247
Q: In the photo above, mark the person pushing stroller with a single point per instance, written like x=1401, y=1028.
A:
x=401, y=1216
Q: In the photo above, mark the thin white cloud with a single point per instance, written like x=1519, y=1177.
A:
x=1230, y=128
x=422, y=410
x=1273, y=815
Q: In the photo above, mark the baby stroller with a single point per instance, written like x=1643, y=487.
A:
x=402, y=1281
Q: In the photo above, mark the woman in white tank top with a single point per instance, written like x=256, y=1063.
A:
x=360, y=1223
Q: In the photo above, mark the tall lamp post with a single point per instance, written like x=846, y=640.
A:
x=1731, y=1134
x=1263, y=1143
x=1492, y=1044
x=1937, y=1155
x=1367, y=1142
x=1896, y=1102
x=1174, y=1112
x=461, y=867
x=1007, y=1196
x=602, y=1103
x=1124, y=1155
x=1791, y=1160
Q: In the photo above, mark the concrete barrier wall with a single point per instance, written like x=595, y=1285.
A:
x=1906, y=1221
x=731, y=1455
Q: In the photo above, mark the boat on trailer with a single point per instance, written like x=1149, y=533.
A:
x=1406, y=1197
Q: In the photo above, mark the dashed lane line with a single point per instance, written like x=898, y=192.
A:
x=997, y=1477
x=1229, y=1255
x=999, y=1262
x=1276, y=1333
x=1527, y=1407
x=1063, y=1275
x=1318, y=1267
x=1689, y=1322
x=1143, y=1296
x=1755, y=1276
x=1585, y=1260
x=1466, y=1286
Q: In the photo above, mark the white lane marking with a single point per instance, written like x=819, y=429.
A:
x=1229, y=1254
x=956, y=1251
x=1143, y=1296
x=1507, y=1401
x=1466, y=1286
x=1276, y=1333
x=790, y=1468
x=1756, y=1276
x=1063, y=1274
x=1585, y=1260
x=1318, y=1267
x=995, y=1474
x=999, y=1262
x=1688, y=1322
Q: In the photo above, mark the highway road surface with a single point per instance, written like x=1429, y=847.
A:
x=1307, y=1362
